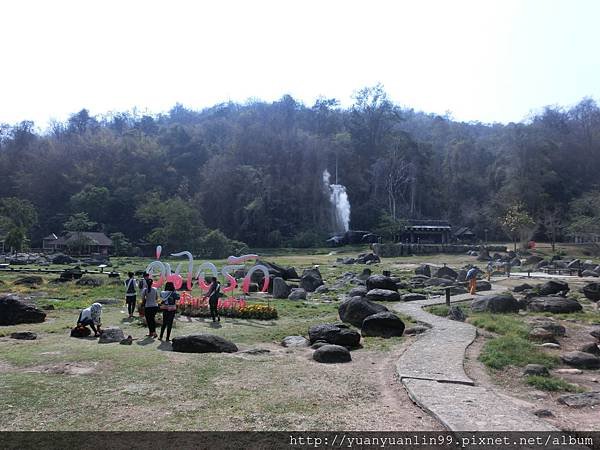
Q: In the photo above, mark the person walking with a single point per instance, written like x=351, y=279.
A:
x=213, y=294
x=150, y=304
x=168, y=305
x=130, y=294
x=489, y=269
x=472, y=279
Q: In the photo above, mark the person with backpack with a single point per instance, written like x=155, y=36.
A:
x=168, y=305
x=130, y=294
x=150, y=305
x=213, y=294
x=472, y=279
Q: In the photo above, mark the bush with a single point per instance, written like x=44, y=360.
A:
x=216, y=245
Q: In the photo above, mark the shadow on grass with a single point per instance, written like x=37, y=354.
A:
x=146, y=341
x=165, y=347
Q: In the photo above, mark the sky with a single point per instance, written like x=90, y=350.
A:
x=479, y=60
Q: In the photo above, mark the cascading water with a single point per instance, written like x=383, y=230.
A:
x=341, y=205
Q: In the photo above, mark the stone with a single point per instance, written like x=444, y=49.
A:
x=590, y=347
x=349, y=261
x=368, y=258
x=438, y=282
x=111, y=334
x=575, y=264
x=295, y=341
x=91, y=282
x=423, y=269
x=332, y=354
x=555, y=328
x=23, y=335
x=280, y=288
x=595, y=332
x=543, y=413
x=297, y=294
x=257, y=351
x=569, y=371
x=551, y=345
x=446, y=272
x=14, y=310
x=541, y=335
x=365, y=274
x=503, y=303
x=318, y=344
x=553, y=287
x=483, y=285
x=522, y=287
x=322, y=290
x=592, y=291
x=532, y=260
x=456, y=313
x=536, y=369
x=417, y=329
x=29, y=281
x=411, y=297
x=553, y=305
x=59, y=258
x=311, y=279
x=80, y=332
x=203, y=343
x=383, y=295
x=581, y=360
x=355, y=309
x=580, y=400
x=358, y=291
x=590, y=273
x=383, y=324
x=381, y=282
x=127, y=341
x=334, y=334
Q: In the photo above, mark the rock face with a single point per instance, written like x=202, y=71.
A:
x=297, y=294
x=29, y=281
x=281, y=288
x=24, y=335
x=383, y=295
x=203, y=343
x=423, y=269
x=358, y=291
x=592, y=291
x=294, y=341
x=334, y=334
x=580, y=400
x=331, y=354
x=381, y=282
x=356, y=309
x=536, y=369
x=553, y=305
x=111, y=334
x=456, y=313
x=384, y=324
x=504, y=303
x=553, y=287
x=446, y=272
x=411, y=297
x=311, y=279
x=581, y=360
x=14, y=311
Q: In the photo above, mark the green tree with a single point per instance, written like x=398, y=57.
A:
x=121, y=245
x=77, y=224
x=517, y=223
x=17, y=216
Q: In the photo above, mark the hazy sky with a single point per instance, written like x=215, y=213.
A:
x=481, y=60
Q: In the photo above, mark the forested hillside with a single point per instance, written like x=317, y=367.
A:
x=255, y=172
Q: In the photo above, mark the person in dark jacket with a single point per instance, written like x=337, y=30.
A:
x=213, y=294
x=168, y=305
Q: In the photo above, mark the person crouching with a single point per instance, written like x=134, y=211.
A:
x=91, y=316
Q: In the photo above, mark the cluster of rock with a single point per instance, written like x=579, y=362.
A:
x=310, y=281
x=15, y=309
x=498, y=260
x=427, y=277
x=42, y=259
x=587, y=268
x=332, y=342
x=395, y=250
x=588, y=355
x=363, y=258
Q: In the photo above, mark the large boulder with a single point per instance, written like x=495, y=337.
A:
x=446, y=272
x=581, y=360
x=358, y=291
x=23, y=335
x=332, y=354
x=13, y=311
x=438, y=282
x=536, y=369
x=275, y=270
x=111, y=334
x=522, y=287
x=31, y=280
x=484, y=285
x=383, y=324
x=297, y=294
x=587, y=399
x=575, y=264
x=423, y=269
x=541, y=335
x=337, y=334
x=592, y=291
x=412, y=296
x=381, y=282
x=456, y=313
x=294, y=341
x=367, y=258
x=553, y=287
x=280, y=288
x=203, y=343
x=503, y=303
x=311, y=279
x=356, y=309
x=590, y=347
x=553, y=305
x=383, y=295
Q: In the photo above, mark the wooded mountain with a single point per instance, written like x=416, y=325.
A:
x=254, y=170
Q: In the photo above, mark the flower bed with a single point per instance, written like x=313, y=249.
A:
x=229, y=307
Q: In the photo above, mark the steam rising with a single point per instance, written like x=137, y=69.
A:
x=339, y=201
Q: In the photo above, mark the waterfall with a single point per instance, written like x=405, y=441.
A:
x=339, y=200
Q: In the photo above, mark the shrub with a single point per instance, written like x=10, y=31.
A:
x=513, y=350
x=216, y=245
x=552, y=384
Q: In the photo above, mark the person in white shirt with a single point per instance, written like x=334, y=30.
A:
x=91, y=316
x=150, y=304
